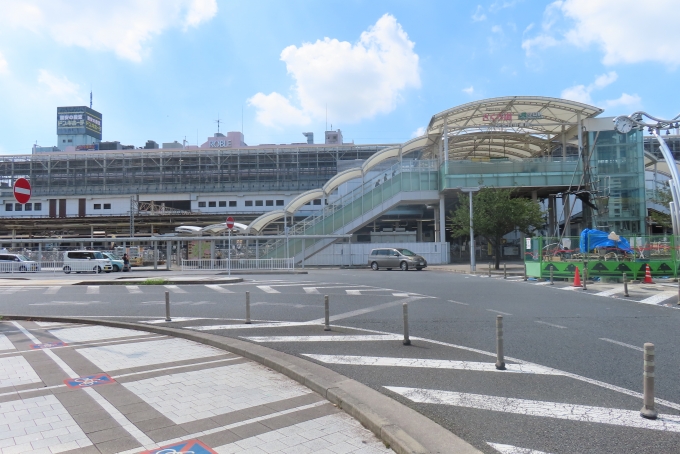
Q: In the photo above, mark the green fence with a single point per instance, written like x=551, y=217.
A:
x=563, y=256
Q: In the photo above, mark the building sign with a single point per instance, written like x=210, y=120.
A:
x=79, y=120
x=495, y=117
x=92, y=146
x=219, y=143
x=530, y=116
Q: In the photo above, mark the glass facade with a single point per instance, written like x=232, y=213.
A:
x=618, y=176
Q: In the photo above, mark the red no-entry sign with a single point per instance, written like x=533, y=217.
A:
x=230, y=222
x=22, y=190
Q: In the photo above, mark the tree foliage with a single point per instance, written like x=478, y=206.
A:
x=662, y=196
x=496, y=213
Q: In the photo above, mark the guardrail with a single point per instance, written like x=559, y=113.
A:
x=238, y=264
x=48, y=267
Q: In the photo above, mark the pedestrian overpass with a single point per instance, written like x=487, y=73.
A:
x=532, y=144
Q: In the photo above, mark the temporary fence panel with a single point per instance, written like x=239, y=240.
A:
x=237, y=264
x=345, y=254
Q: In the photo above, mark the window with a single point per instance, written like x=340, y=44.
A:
x=317, y=201
x=279, y=203
x=201, y=204
x=28, y=207
x=270, y=203
x=258, y=203
x=9, y=207
x=97, y=206
x=223, y=203
x=37, y=206
x=232, y=203
x=18, y=207
x=212, y=204
x=107, y=206
x=249, y=203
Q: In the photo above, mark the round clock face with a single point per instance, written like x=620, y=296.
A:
x=623, y=125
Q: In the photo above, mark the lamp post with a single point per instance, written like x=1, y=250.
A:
x=473, y=265
x=625, y=123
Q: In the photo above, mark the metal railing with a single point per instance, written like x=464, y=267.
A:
x=238, y=264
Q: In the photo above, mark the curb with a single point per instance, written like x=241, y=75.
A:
x=413, y=434
x=220, y=280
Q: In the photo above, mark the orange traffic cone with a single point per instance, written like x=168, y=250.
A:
x=577, y=278
x=648, y=276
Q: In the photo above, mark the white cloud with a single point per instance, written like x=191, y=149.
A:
x=418, y=132
x=124, y=26
x=354, y=81
x=469, y=90
x=59, y=86
x=479, y=15
x=4, y=67
x=581, y=93
x=626, y=33
x=630, y=102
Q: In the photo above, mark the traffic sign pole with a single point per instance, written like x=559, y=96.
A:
x=230, y=225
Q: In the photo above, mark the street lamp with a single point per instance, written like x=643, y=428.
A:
x=473, y=265
x=625, y=123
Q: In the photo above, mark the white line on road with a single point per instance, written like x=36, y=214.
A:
x=509, y=449
x=92, y=290
x=658, y=298
x=543, y=283
x=354, y=292
x=458, y=302
x=498, y=312
x=267, y=289
x=610, y=292
x=52, y=290
x=174, y=289
x=367, y=310
x=218, y=288
x=550, y=324
x=311, y=290
x=133, y=288
x=640, y=349
x=330, y=338
x=401, y=294
x=557, y=410
x=428, y=363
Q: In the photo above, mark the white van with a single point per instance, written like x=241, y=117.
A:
x=11, y=263
x=86, y=262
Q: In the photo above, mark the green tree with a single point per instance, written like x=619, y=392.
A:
x=496, y=213
x=662, y=196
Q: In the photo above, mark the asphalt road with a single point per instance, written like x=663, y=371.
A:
x=578, y=394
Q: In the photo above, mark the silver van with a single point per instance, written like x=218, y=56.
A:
x=12, y=263
x=395, y=258
x=86, y=262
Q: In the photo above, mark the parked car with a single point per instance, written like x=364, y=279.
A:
x=116, y=262
x=86, y=262
x=11, y=263
x=395, y=258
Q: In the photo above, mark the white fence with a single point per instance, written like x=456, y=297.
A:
x=357, y=254
x=238, y=264
x=47, y=267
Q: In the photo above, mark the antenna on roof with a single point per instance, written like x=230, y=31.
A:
x=218, y=123
x=90, y=96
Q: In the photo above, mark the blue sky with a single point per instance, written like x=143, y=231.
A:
x=165, y=69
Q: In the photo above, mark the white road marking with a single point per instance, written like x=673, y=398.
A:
x=267, y=289
x=571, y=287
x=354, y=292
x=175, y=289
x=498, y=312
x=610, y=292
x=429, y=363
x=550, y=324
x=640, y=349
x=68, y=303
x=329, y=338
x=311, y=290
x=367, y=310
x=92, y=290
x=52, y=290
x=174, y=320
x=557, y=410
x=401, y=294
x=509, y=449
x=458, y=302
x=244, y=326
x=133, y=288
x=658, y=298
x=297, y=306
x=543, y=283
x=218, y=288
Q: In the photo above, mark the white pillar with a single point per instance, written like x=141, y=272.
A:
x=436, y=224
x=442, y=219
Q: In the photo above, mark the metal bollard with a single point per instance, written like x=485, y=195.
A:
x=167, y=307
x=648, y=411
x=525, y=272
x=500, y=360
x=585, y=275
x=505, y=271
x=327, y=324
x=552, y=280
x=247, y=308
x=678, y=292
x=407, y=341
x=489, y=269
x=625, y=285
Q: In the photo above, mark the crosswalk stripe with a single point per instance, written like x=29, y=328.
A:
x=658, y=298
x=550, y=324
x=218, y=288
x=175, y=289
x=610, y=292
x=430, y=364
x=509, y=449
x=92, y=290
x=557, y=410
x=311, y=290
x=353, y=292
x=133, y=288
x=267, y=289
x=52, y=290
x=330, y=338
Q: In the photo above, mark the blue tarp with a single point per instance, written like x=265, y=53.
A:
x=593, y=239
